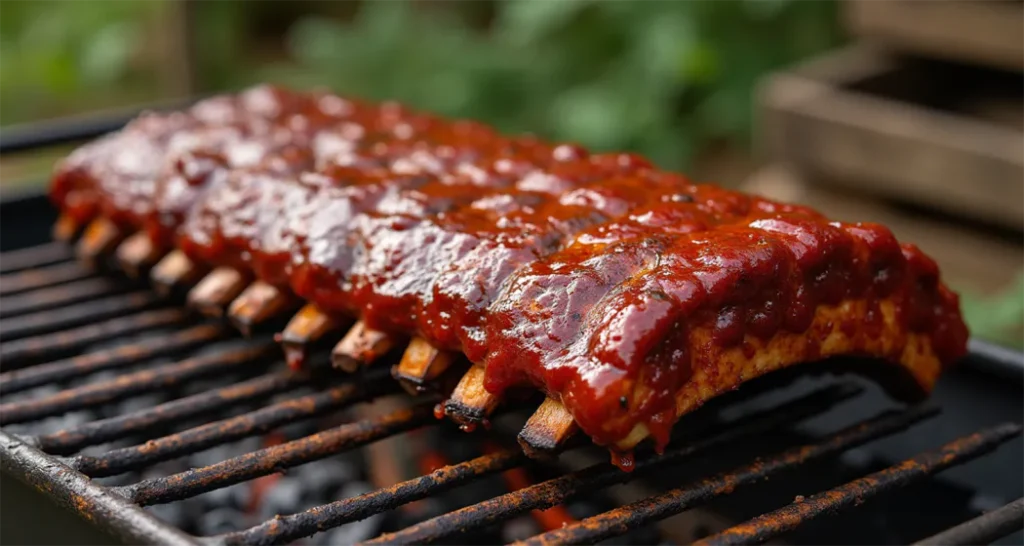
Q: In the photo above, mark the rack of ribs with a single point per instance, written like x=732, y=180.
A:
x=628, y=295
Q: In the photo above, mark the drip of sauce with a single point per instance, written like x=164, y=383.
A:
x=583, y=275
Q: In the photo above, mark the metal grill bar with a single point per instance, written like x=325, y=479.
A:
x=33, y=257
x=27, y=378
x=287, y=528
x=45, y=322
x=79, y=494
x=104, y=430
x=982, y=529
x=131, y=384
x=64, y=294
x=19, y=353
x=626, y=518
x=277, y=458
x=16, y=283
x=768, y=526
x=227, y=430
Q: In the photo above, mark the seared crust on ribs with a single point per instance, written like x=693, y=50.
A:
x=629, y=295
x=720, y=369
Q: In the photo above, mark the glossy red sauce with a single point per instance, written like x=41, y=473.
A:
x=593, y=321
x=579, y=274
x=121, y=175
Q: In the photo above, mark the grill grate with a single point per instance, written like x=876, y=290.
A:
x=52, y=320
x=58, y=321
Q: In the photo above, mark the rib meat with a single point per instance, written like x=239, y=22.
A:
x=628, y=295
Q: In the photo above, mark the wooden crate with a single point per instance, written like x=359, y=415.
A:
x=989, y=32
x=940, y=136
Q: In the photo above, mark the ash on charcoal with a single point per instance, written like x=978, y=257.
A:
x=325, y=476
x=222, y=520
x=286, y=496
x=234, y=496
x=519, y=528
x=220, y=453
x=179, y=514
x=354, y=532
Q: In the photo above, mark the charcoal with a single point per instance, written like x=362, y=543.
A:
x=174, y=513
x=519, y=528
x=235, y=496
x=287, y=496
x=141, y=403
x=326, y=476
x=222, y=520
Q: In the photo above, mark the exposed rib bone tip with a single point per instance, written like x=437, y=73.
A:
x=66, y=228
x=176, y=270
x=259, y=303
x=137, y=254
x=547, y=430
x=99, y=240
x=307, y=326
x=421, y=364
x=213, y=294
x=361, y=346
x=470, y=404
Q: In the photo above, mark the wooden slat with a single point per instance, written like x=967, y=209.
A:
x=989, y=32
x=949, y=162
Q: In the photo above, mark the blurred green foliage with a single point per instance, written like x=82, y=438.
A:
x=999, y=318
x=663, y=78
x=660, y=78
x=60, y=56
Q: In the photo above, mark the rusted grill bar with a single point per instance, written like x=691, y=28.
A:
x=77, y=493
x=32, y=279
x=64, y=294
x=19, y=380
x=550, y=493
x=29, y=360
x=97, y=432
x=33, y=257
x=45, y=322
x=285, y=529
x=277, y=458
x=288, y=528
x=14, y=354
x=983, y=529
x=227, y=430
x=131, y=384
x=771, y=525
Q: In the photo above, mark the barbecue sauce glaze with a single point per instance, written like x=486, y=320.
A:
x=583, y=275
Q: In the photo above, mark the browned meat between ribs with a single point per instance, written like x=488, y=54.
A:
x=629, y=295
